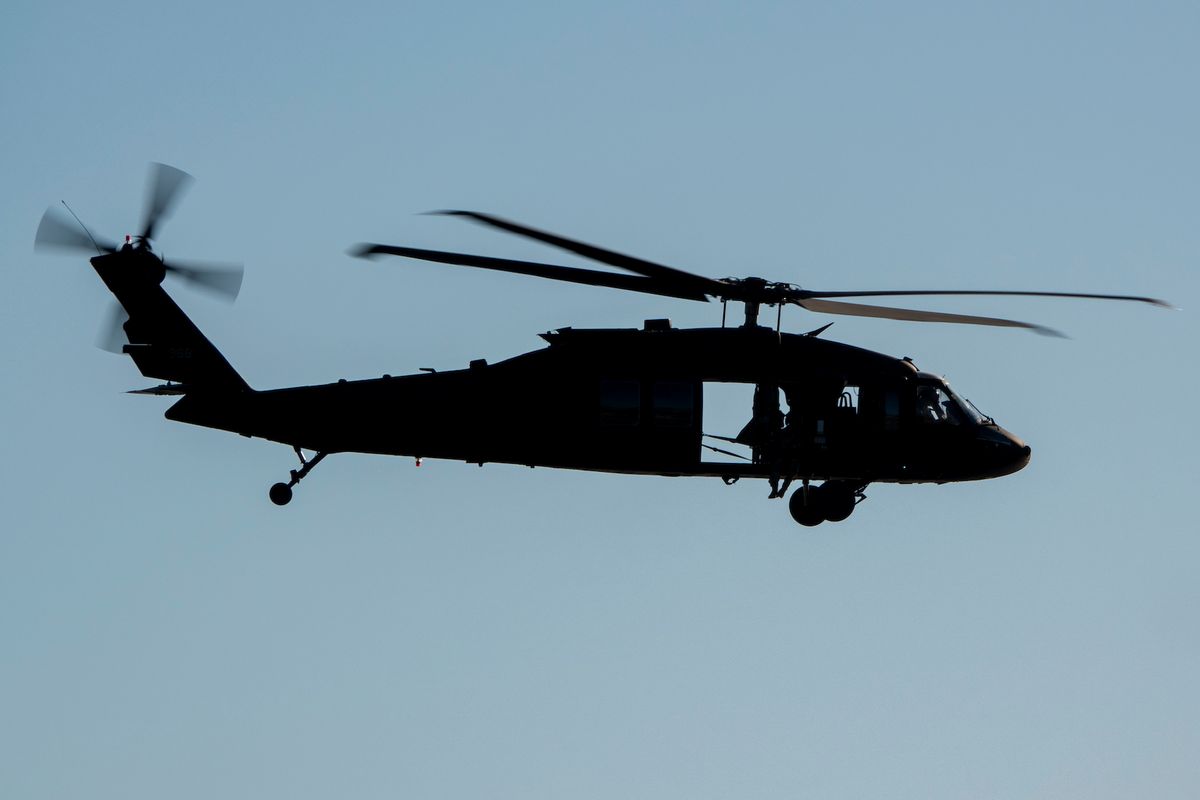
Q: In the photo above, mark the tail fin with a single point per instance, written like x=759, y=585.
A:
x=163, y=342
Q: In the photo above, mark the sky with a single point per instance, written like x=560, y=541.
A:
x=455, y=631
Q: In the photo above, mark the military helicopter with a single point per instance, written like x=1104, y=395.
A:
x=611, y=400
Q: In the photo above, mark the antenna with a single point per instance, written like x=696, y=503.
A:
x=99, y=252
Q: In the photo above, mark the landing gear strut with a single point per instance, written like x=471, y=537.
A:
x=281, y=493
x=832, y=501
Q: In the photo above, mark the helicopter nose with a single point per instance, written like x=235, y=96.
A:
x=1001, y=453
x=1016, y=455
x=1023, y=453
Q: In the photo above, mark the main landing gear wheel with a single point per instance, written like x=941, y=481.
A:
x=281, y=493
x=838, y=500
x=832, y=501
x=806, y=507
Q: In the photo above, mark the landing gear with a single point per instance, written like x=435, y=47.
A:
x=838, y=499
x=806, y=507
x=832, y=501
x=281, y=493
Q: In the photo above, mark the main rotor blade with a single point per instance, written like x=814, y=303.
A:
x=223, y=280
x=588, y=277
x=164, y=185
x=910, y=315
x=57, y=231
x=806, y=293
x=640, y=266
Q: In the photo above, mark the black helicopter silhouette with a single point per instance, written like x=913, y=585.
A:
x=612, y=400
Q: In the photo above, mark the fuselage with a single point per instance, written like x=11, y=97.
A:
x=632, y=401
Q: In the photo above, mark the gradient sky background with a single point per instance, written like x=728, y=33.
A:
x=463, y=632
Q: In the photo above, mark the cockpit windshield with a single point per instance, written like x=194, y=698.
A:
x=937, y=404
x=973, y=410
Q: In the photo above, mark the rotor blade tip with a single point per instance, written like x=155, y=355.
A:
x=364, y=250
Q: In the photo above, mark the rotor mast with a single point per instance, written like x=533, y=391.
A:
x=751, y=301
x=753, y=294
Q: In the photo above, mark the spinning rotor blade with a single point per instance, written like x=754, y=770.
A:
x=687, y=281
x=223, y=280
x=910, y=315
x=164, y=185
x=112, y=332
x=589, y=277
x=804, y=294
x=58, y=231
x=755, y=292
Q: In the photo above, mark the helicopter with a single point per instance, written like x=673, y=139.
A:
x=829, y=416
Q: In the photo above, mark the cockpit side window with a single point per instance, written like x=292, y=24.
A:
x=849, y=399
x=936, y=406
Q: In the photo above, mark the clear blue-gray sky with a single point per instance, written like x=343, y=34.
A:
x=462, y=632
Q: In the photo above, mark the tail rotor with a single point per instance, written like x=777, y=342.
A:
x=165, y=186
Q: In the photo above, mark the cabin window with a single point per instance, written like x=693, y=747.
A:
x=674, y=404
x=620, y=403
x=891, y=410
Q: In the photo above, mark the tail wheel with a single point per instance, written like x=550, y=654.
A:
x=281, y=494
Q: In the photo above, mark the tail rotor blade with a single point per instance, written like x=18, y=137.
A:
x=59, y=232
x=164, y=186
x=112, y=335
x=222, y=280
